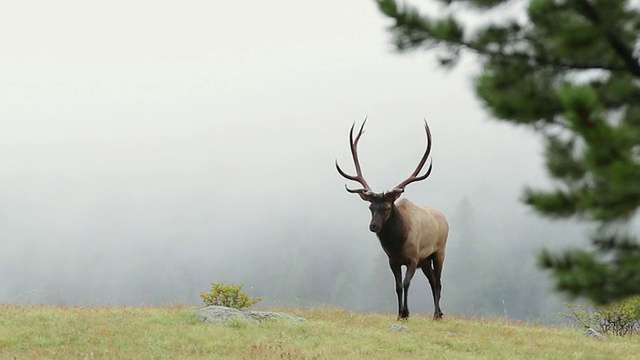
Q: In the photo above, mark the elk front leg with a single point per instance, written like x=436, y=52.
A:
x=411, y=269
x=397, y=274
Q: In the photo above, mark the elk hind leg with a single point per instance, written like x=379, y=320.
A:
x=438, y=262
x=434, y=281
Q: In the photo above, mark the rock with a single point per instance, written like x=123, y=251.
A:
x=595, y=334
x=400, y=328
x=223, y=314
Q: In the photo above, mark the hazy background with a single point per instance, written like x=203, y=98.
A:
x=148, y=148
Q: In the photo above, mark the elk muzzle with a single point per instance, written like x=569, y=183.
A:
x=376, y=224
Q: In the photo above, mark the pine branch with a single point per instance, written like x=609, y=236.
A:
x=539, y=59
x=618, y=45
x=413, y=30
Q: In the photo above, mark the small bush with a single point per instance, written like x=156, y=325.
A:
x=228, y=295
x=619, y=319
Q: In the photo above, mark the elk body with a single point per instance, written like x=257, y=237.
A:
x=410, y=235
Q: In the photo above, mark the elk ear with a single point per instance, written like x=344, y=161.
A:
x=392, y=195
x=366, y=195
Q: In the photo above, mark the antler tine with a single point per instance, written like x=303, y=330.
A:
x=414, y=176
x=354, y=154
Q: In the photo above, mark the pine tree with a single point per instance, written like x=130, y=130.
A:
x=569, y=70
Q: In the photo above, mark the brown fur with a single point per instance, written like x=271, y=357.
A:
x=415, y=237
x=426, y=231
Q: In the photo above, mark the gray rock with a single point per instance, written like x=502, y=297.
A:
x=400, y=328
x=222, y=314
x=595, y=334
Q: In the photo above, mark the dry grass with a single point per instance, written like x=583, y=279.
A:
x=157, y=333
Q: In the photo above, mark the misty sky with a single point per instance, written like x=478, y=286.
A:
x=136, y=133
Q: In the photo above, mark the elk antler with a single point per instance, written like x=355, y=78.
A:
x=354, y=153
x=414, y=176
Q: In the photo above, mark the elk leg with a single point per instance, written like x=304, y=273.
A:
x=438, y=261
x=429, y=273
x=397, y=274
x=411, y=269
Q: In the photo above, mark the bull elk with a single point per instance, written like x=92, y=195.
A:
x=410, y=235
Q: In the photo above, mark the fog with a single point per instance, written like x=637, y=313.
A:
x=150, y=148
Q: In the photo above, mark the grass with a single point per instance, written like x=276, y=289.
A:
x=40, y=332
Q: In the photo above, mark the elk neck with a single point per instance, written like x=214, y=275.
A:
x=394, y=232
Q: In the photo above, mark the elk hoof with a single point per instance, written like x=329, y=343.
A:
x=404, y=315
x=437, y=316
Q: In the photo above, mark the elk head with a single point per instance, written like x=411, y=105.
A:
x=382, y=204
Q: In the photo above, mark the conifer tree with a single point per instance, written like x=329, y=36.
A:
x=569, y=70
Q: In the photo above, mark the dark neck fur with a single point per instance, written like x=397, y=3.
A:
x=393, y=233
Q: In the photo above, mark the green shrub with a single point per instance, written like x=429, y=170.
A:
x=618, y=319
x=228, y=295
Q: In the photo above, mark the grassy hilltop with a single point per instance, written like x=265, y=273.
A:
x=28, y=332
